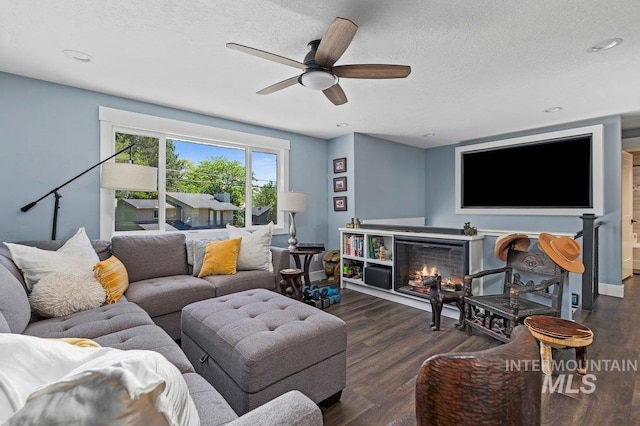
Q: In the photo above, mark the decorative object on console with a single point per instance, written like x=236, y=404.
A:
x=292, y=202
x=564, y=251
x=470, y=230
x=125, y=176
x=340, y=165
x=340, y=205
x=505, y=242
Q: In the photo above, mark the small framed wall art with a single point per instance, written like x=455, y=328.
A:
x=340, y=184
x=340, y=204
x=340, y=165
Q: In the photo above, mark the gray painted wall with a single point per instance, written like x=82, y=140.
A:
x=50, y=133
x=342, y=146
x=440, y=196
x=389, y=177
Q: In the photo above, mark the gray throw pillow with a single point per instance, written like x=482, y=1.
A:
x=14, y=304
x=151, y=256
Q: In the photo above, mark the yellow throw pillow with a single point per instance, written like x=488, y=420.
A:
x=113, y=277
x=221, y=257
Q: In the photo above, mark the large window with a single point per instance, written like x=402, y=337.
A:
x=208, y=179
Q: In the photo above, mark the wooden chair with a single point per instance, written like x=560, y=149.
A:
x=497, y=386
x=532, y=285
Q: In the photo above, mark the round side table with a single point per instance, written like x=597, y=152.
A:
x=291, y=283
x=560, y=333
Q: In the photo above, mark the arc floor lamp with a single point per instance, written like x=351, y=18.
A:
x=123, y=176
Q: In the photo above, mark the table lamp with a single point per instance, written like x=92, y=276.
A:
x=292, y=202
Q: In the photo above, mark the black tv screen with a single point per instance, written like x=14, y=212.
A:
x=547, y=174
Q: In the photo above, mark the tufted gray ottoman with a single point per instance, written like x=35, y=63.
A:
x=255, y=345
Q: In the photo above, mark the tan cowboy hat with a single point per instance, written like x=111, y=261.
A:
x=564, y=251
x=518, y=242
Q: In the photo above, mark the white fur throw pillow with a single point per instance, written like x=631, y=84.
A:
x=63, y=293
x=255, y=248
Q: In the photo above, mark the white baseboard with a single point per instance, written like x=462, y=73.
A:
x=611, y=290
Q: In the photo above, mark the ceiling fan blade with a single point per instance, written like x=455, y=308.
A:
x=335, y=41
x=278, y=86
x=266, y=55
x=335, y=94
x=372, y=71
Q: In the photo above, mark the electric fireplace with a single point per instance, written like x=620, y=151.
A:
x=420, y=262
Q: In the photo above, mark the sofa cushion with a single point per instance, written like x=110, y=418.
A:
x=164, y=295
x=113, y=278
x=212, y=408
x=242, y=280
x=14, y=304
x=63, y=293
x=149, y=337
x=93, y=323
x=221, y=257
x=151, y=256
x=255, y=248
x=75, y=255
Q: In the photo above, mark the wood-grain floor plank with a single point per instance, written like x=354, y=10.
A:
x=387, y=342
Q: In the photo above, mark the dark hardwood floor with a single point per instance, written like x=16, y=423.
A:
x=387, y=342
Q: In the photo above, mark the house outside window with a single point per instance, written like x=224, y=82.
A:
x=207, y=177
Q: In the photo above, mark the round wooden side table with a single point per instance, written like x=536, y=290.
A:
x=291, y=283
x=560, y=333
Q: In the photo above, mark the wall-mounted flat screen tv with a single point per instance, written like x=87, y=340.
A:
x=557, y=173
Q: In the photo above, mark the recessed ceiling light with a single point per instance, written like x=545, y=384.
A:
x=342, y=124
x=607, y=44
x=553, y=109
x=77, y=55
x=429, y=135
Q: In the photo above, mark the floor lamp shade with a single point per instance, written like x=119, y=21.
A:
x=129, y=177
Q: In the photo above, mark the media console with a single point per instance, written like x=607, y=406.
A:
x=396, y=264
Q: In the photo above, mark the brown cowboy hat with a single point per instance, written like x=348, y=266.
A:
x=518, y=242
x=564, y=251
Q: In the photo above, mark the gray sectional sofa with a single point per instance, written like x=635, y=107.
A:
x=148, y=317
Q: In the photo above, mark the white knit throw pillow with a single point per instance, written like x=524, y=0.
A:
x=63, y=293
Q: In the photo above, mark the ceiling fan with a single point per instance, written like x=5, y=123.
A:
x=318, y=70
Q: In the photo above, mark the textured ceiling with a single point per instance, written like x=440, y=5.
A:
x=479, y=68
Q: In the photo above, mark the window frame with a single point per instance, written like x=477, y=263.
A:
x=114, y=121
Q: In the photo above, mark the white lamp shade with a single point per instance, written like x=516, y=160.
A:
x=292, y=201
x=129, y=177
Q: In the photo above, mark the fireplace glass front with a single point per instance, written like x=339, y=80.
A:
x=420, y=261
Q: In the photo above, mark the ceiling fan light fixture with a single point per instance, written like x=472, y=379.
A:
x=318, y=79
